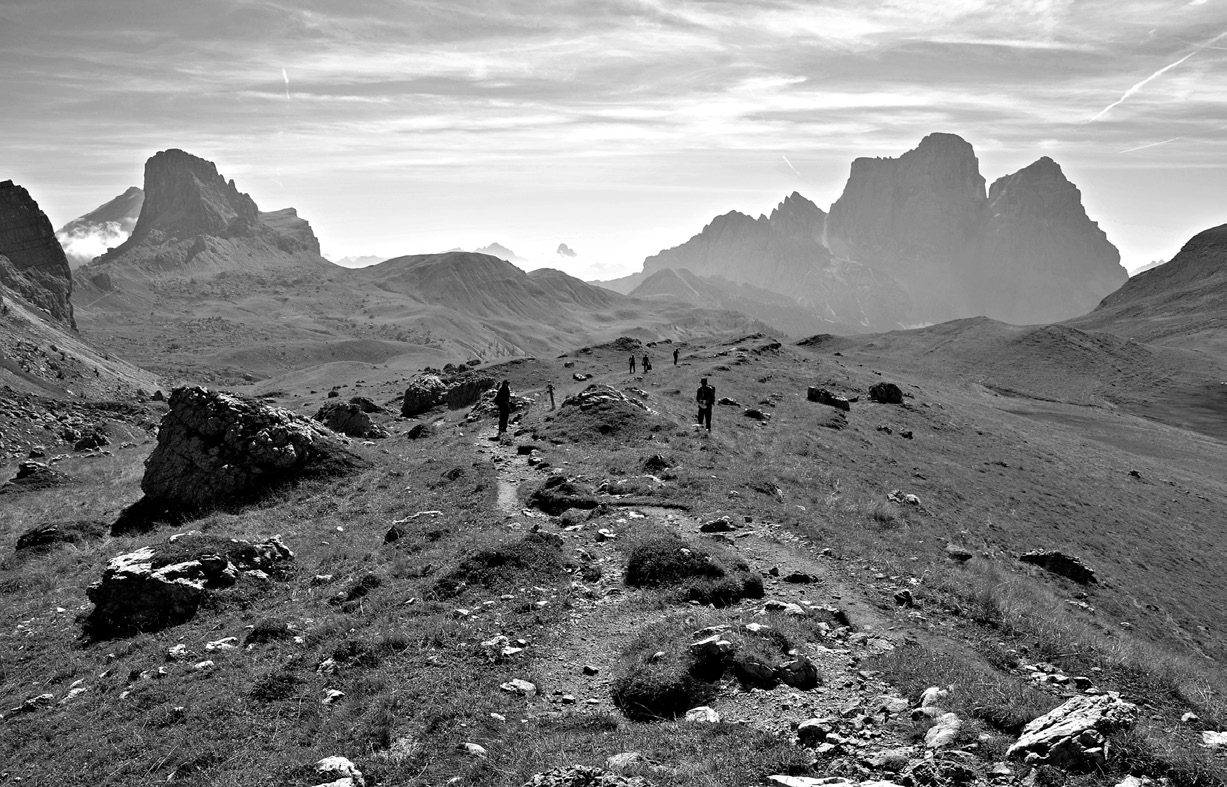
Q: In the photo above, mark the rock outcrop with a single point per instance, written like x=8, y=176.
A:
x=428, y=391
x=1072, y=735
x=32, y=262
x=348, y=418
x=1062, y=564
x=162, y=585
x=186, y=195
x=103, y=228
x=47, y=536
x=823, y=396
x=218, y=450
x=33, y=476
x=296, y=230
x=885, y=393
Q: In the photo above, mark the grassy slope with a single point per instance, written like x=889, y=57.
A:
x=992, y=473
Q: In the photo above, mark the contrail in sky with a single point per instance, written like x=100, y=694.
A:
x=286, y=77
x=1151, y=78
x=789, y=163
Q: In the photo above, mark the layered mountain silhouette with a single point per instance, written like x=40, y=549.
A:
x=917, y=240
x=208, y=284
x=102, y=229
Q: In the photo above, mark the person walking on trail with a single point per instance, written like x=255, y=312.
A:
x=647, y=364
x=632, y=363
x=502, y=400
x=675, y=354
x=706, y=397
x=550, y=390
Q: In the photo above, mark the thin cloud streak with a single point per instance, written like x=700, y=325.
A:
x=1133, y=90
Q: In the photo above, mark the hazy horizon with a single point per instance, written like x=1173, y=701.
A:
x=617, y=128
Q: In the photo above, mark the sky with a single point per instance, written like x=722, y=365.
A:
x=618, y=128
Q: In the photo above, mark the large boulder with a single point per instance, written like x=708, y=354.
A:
x=886, y=393
x=559, y=493
x=486, y=408
x=1062, y=564
x=219, y=450
x=33, y=476
x=823, y=396
x=348, y=419
x=164, y=584
x=428, y=391
x=1072, y=735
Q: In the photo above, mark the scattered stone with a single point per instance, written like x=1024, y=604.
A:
x=176, y=652
x=904, y=598
x=34, y=703
x=428, y=391
x=896, y=496
x=1190, y=718
x=590, y=670
x=340, y=768
x=799, y=672
x=1214, y=740
x=811, y=732
x=703, y=714
x=200, y=666
x=944, y=732
x=885, y=393
x=624, y=760
x=217, y=450
x=583, y=776
x=162, y=585
x=787, y=607
x=721, y=525
x=558, y=493
x=519, y=686
x=800, y=578
x=756, y=414
x=823, y=396
x=473, y=749
x=1071, y=736
x=331, y=696
x=419, y=431
x=1062, y=564
x=958, y=553
x=752, y=672
x=724, y=400
x=932, y=697
x=580, y=377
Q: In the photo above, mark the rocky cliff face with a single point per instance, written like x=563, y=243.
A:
x=287, y=222
x=1024, y=253
x=1037, y=256
x=185, y=195
x=32, y=263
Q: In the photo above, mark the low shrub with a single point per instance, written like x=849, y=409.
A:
x=535, y=555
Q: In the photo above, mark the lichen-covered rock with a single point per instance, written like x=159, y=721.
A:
x=1072, y=735
x=1060, y=563
x=348, y=419
x=162, y=585
x=218, y=450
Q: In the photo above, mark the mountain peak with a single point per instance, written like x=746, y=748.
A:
x=32, y=262
x=186, y=195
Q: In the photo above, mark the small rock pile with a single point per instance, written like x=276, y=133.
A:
x=823, y=396
x=348, y=419
x=428, y=391
x=162, y=585
x=1072, y=735
x=32, y=476
x=1061, y=564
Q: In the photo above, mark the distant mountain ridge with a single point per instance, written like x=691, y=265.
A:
x=916, y=240
x=103, y=228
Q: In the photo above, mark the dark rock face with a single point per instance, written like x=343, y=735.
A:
x=185, y=195
x=287, y=224
x=162, y=585
x=218, y=450
x=1060, y=563
x=886, y=393
x=32, y=263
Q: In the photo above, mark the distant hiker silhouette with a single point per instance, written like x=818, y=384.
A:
x=675, y=352
x=632, y=363
x=502, y=400
x=706, y=397
x=550, y=390
x=647, y=364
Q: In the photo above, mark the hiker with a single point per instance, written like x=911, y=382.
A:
x=632, y=363
x=502, y=400
x=550, y=390
x=706, y=397
x=675, y=353
x=647, y=364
